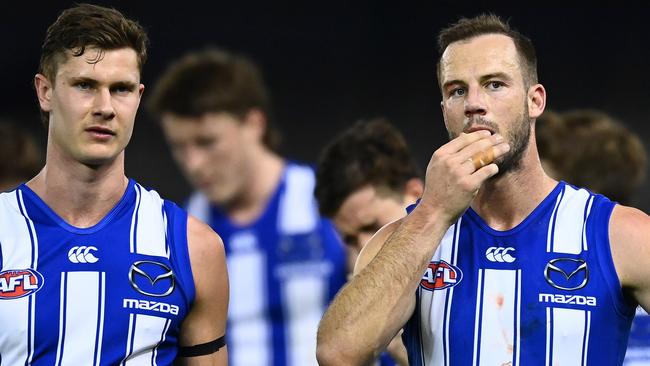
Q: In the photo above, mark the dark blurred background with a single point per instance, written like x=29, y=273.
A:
x=328, y=64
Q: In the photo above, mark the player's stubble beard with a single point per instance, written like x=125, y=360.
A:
x=518, y=138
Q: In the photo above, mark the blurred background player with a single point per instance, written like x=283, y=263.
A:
x=20, y=156
x=591, y=149
x=366, y=177
x=285, y=262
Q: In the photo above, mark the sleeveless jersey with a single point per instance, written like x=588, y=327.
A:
x=284, y=268
x=543, y=293
x=111, y=294
x=638, y=346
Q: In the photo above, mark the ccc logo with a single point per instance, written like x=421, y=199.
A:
x=501, y=255
x=82, y=254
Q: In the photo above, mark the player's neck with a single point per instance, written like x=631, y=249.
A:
x=505, y=202
x=265, y=173
x=79, y=194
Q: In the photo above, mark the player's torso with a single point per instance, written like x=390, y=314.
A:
x=98, y=296
x=543, y=293
x=284, y=268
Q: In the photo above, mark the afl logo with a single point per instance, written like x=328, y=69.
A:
x=440, y=275
x=16, y=283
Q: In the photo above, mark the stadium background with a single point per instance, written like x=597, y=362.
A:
x=328, y=64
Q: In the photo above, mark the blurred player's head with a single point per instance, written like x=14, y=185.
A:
x=20, y=157
x=365, y=178
x=214, y=110
x=590, y=149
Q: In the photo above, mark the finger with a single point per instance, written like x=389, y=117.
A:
x=485, y=157
x=481, y=175
x=463, y=140
x=482, y=158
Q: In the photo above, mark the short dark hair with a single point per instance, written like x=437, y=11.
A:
x=212, y=81
x=85, y=26
x=371, y=152
x=590, y=149
x=20, y=156
x=468, y=28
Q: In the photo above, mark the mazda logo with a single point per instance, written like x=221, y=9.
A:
x=154, y=273
x=570, y=269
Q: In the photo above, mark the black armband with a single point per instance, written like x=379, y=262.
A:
x=202, y=349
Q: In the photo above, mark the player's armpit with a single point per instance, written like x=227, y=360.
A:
x=206, y=321
x=629, y=235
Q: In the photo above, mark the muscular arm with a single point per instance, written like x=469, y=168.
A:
x=375, y=304
x=629, y=233
x=207, y=318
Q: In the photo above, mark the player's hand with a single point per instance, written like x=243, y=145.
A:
x=458, y=169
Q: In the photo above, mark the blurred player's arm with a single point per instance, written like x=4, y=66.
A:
x=206, y=321
x=629, y=234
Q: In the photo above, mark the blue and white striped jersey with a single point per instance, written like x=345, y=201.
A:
x=112, y=294
x=284, y=268
x=543, y=293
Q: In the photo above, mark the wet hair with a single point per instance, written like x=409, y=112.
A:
x=468, y=28
x=371, y=152
x=590, y=149
x=213, y=81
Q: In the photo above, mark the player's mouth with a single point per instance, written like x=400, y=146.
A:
x=100, y=132
x=478, y=127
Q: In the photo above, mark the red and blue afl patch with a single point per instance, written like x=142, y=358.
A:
x=440, y=275
x=16, y=283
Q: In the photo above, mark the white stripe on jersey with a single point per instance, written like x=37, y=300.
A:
x=149, y=225
x=497, y=318
x=296, y=214
x=584, y=225
x=569, y=216
x=569, y=327
x=304, y=299
x=132, y=235
x=34, y=264
x=434, y=316
x=100, y=332
x=16, y=232
x=249, y=327
x=148, y=333
x=80, y=318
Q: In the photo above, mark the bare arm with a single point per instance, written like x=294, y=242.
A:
x=375, y=304
x=207, y=319
x=629, y=233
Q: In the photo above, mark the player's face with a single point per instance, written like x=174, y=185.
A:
x=483, y=88
x=92, y=105
x=363, y=213
x=213, y=151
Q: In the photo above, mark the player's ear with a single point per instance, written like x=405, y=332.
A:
x=43, y=88
x=255, y=124
x=413, y=189
x=536, y=100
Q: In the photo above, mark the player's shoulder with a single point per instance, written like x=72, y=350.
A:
x=374, y=245
x=629, y=223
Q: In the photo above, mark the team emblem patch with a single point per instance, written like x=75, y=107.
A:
x=440, y=275
x=16, y=283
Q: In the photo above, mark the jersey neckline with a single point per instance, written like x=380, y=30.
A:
x=38, y=202
x=546, y=203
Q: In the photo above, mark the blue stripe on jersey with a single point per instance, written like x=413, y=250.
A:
x=411, y=337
